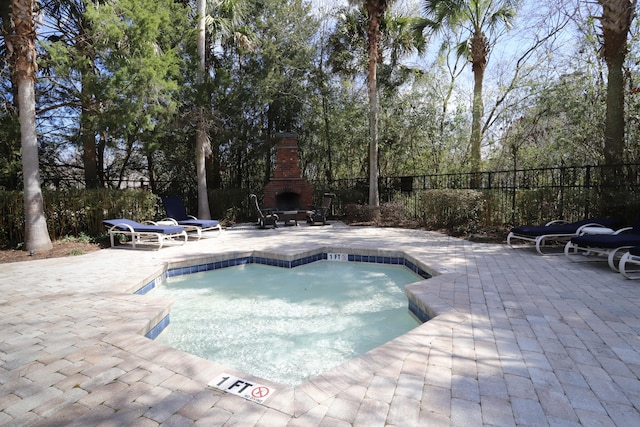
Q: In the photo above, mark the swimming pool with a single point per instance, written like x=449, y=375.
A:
x=287, y=325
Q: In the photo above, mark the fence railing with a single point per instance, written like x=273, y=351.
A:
x=553, y=192
x=510, y=197
x=522, y=195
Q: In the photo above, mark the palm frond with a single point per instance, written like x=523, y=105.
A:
x=444, y=12
x=463, y=49
x=504, y=16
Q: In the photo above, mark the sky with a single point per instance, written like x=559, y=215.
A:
x=532, y=12
x=530, y=23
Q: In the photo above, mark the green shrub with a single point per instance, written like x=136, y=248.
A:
x=393, y=213
x=386, y=215
x=75, y=212
x=81, y=238
x=361, y=213
x=458, y=211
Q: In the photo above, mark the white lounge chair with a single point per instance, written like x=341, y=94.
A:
x=177, y=215
x=592, y=247
x=628, y=261
x=148, y=233
x=559, y=231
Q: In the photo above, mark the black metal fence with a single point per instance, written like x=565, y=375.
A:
x=518, y=196
x=510, y=196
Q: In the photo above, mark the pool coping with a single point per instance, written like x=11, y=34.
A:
x=299, y=399
x=203, y=264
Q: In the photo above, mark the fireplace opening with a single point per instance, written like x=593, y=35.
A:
x=287, y=201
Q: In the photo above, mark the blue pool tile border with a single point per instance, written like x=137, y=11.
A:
x=151, y=285
x=376, y=259
x=158, y=328
x=418, y=312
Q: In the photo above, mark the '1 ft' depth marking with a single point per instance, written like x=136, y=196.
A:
x=246, y=389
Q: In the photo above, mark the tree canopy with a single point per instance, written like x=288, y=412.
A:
x=118, y=96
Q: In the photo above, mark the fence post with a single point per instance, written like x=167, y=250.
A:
x=587, y=186
x=513, y=192
x=562, y=172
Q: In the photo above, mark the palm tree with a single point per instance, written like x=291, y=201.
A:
x=21, y=46
x=616, y=21
x=203, y=148
x=476, y=18
x=223, y=21
x=376, y=10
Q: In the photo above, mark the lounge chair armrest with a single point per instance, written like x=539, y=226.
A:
x=556, y=222
x=622, y=230
x=168, y=220
x=192, y=217
x=150, y=222
x=583, y=229
x=118, y=227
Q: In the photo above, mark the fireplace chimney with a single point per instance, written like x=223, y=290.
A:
x=287, y=190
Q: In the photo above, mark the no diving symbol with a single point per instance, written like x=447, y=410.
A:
x=260, y=392
x=246, y=389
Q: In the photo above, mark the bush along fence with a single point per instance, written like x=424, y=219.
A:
x=73, y=212
x=466, y=201
x=460, y=203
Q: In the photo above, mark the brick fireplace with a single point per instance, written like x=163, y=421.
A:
x=287, y=190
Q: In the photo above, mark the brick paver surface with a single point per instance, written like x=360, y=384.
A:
x=518, y=339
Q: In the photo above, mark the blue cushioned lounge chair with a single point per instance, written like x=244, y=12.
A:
x=628, y=261
x=177, y=213
x=611, y=246
x=558, y=231
x=148, y=233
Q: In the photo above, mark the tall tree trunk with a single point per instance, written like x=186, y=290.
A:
x=201, y=128
x=21, y=44
x=125, y=161
x=476, y=122
x=614, y=122
x=201, y=167
x=328, y=169
x=87, y=112
x=100, y=147
x=373, y=36
x=152, y=176
x=479, y=54
x=616, y=22
x=88, y=139
x=36, y=232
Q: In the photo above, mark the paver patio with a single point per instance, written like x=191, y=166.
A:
x=519, y=339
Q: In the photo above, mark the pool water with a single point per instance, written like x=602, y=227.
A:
x=287, y=325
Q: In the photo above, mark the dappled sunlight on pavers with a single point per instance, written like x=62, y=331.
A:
x=515, y=339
